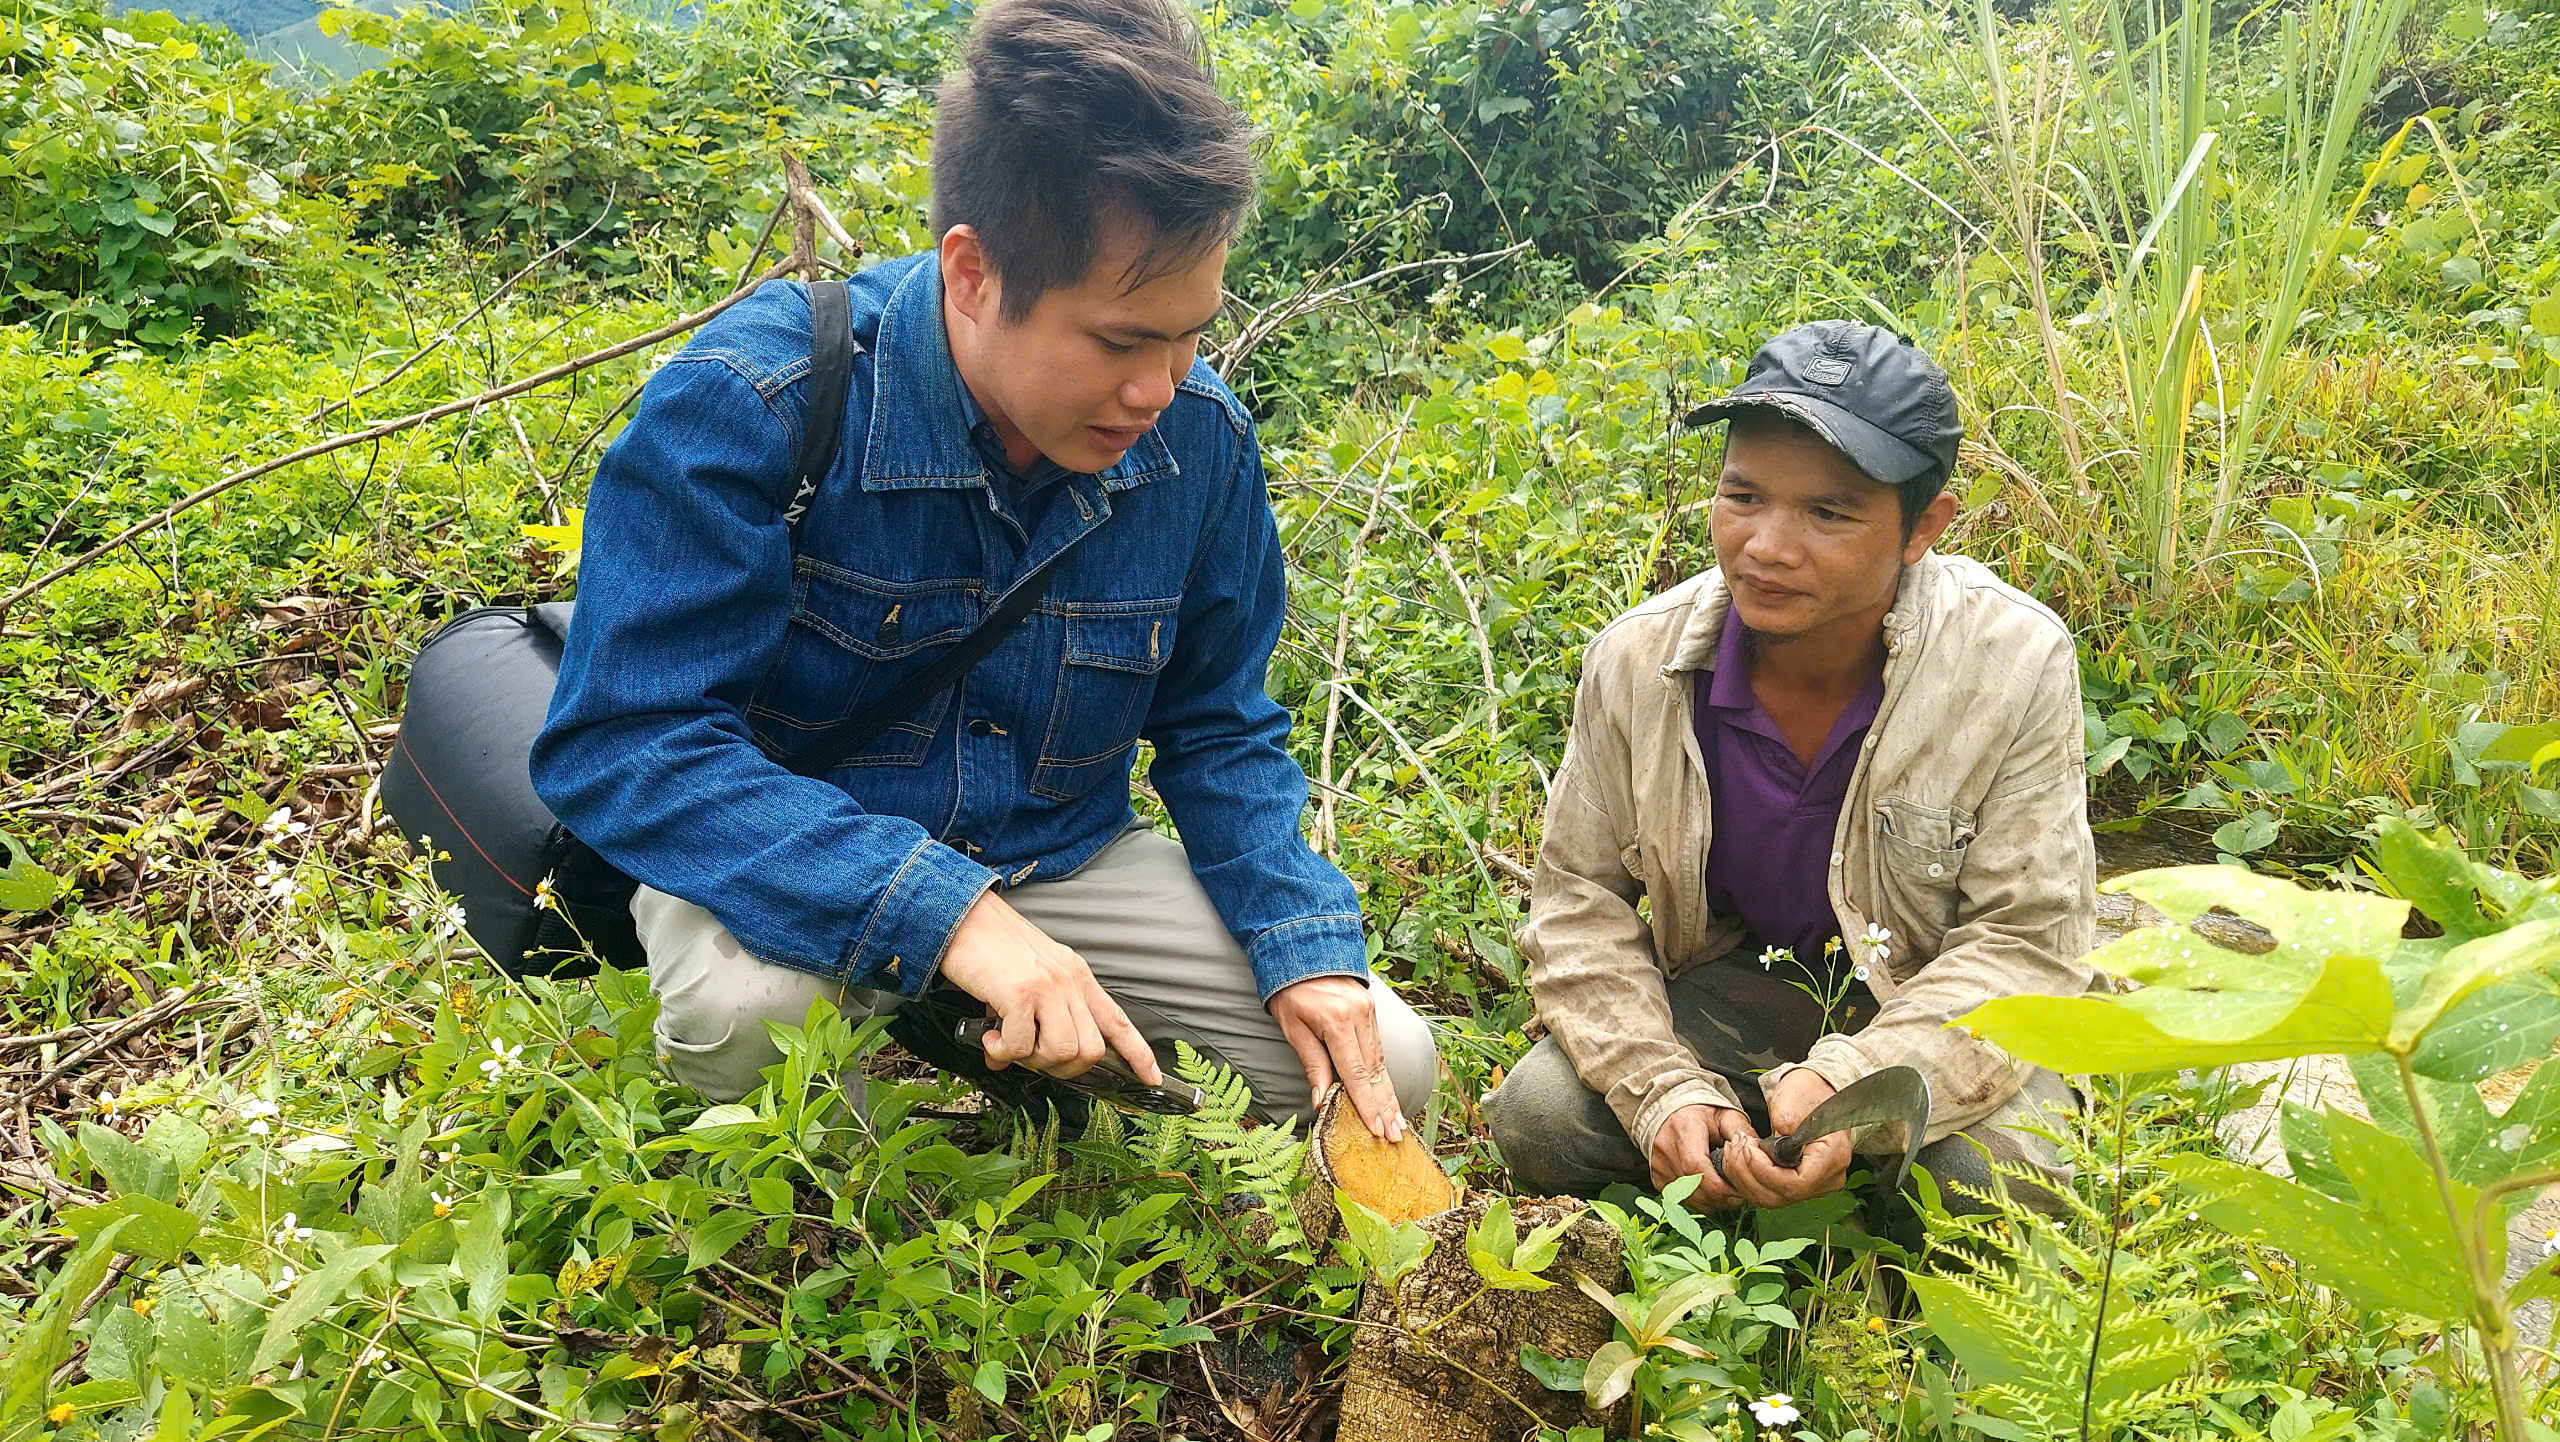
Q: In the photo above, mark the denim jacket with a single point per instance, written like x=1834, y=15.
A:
x=705, y=630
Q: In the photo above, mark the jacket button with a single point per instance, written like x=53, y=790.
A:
x=982, y=727
x=1836, y=858
x=1936, y=870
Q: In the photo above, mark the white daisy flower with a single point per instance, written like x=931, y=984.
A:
x=375, y=1357
x=444, y=1203
x=1771, y=956
x=287, y=1232
x=501, y=1057
x=1775, y=1410
x=277, y=882
x=258, y=1111
x=280, y=824
x=284, y=1279
x=544, y=898
x=453, y=916
x=2551, y=1243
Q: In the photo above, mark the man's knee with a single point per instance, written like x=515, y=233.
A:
x=1543, y=1119
x=714, y=998
x=1412, y=1057
x=2008, y=1150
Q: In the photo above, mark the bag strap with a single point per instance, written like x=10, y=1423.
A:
x=835, y=743
x=830, y=375
x=831, y=348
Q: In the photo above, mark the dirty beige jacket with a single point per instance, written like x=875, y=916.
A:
x=1965, y=833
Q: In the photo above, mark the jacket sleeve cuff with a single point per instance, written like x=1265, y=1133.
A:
x=902, y=944
x=1702, y=1088
x=1311, y=946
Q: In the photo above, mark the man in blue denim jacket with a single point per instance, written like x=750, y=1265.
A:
x=1029, y=386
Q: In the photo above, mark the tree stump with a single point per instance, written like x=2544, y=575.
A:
x=1437, y=1355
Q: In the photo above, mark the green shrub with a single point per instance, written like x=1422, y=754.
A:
x=130, y=204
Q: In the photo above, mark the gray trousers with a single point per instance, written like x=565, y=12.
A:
x=1135, y=913
x=1560, y=1138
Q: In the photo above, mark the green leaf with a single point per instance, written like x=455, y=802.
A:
x=2534, y=946
x=1494, y=107
x=159, y=1231
x=129, y=1170
x=2391, y=1250
x=715, y=1235
x=2253, y=832
x=120, y=1347
x=2435, y=875
x=37, y=1348
x=312, y=1295
x=1986, y=1343
x=24, y=886
x=2546, y=315
x=2348, y=1009
x=2308, y=925
x=1556, y=1374
x=1611, y=1372
x=2517, y=745
x=2492, y=1030
x=481, y=1254
x=727, y=1114
x=1387, y=1249
x=990, y=1382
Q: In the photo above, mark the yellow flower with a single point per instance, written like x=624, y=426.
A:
x=61, y=1412
x=142, y=1307
x=1875, y=1324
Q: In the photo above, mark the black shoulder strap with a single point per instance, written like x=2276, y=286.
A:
x=830, y=376
x=842, y=739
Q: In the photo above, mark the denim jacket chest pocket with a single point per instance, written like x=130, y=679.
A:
x=1115, y=650
x=854, y=639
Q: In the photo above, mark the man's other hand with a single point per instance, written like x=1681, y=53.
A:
x=1685, y=1145
x=1757, y=1177
x=1051, y=1015
x=1332, y=1024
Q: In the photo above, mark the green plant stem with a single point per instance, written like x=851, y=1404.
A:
x=2495, y=1323
x=2107, y=1274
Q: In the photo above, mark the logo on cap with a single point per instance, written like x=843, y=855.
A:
x=1828, y=370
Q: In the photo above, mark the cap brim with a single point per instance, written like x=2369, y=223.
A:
x=1883, y=455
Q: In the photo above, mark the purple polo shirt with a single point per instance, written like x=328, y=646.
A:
x=1769, y=859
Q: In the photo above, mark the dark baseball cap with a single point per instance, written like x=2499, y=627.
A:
x=1867, y=391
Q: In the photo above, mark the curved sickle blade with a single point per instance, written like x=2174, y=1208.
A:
x=1895, y=1094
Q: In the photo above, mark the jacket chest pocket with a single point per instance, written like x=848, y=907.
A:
x=1920, y=862
x=853, y=641
x=1114, y=653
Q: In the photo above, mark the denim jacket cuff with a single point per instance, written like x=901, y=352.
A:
x=901, y=945
x=1309, y=946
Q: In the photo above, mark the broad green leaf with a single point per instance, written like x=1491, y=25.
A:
x=2531, y=947
x=2307, y=1151
x=24, y=886
x=1991, y=1351
x=120, y=1347
x=2309, y=926
x=481, y=1254
x=2347, y=1010
x=2436, y=877
x=2518, y=745
x=2494, y=1029
x=727, y=1114
x=712, y=1237
x=1687, y=1295
x=37, y=1348
x=312, y=1295
x=1611, y=1371
x=2391, y=1250
x=1493, y=1246
x=159, y=1231
x=128, y=1169
x=1388, y=1249
x=990, y=1381
x=2463, y=1124
x=1556, y=1374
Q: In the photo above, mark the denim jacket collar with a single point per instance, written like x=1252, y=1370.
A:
x=919, y=434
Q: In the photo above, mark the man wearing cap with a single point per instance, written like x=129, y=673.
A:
x=1847, y=774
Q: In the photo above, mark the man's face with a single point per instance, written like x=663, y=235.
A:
x=1808, y=541
x=1083, y=376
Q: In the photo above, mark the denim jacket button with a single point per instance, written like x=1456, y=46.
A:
x=982, y=727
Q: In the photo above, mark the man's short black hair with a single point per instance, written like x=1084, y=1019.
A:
x=1072, y=116
x=1915, y=494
